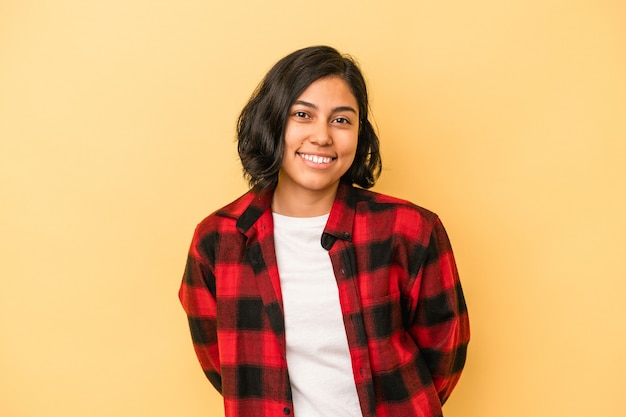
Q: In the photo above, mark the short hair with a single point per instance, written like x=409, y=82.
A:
x=261, y=124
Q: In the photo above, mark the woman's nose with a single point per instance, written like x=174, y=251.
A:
x=321, y=134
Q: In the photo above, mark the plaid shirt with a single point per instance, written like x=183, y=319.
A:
x=403, y=307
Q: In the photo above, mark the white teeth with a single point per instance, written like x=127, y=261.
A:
x=316, y=159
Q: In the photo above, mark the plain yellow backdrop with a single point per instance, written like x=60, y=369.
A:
x=507, y=118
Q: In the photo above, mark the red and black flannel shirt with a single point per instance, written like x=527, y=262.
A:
x=402, y=303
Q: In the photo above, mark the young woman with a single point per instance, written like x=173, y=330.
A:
x=310, y=295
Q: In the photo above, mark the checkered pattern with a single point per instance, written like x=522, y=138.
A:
x=403, y=307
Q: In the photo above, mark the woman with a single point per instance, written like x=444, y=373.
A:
x=311, y=296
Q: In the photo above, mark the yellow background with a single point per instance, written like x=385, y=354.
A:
x=117, y=125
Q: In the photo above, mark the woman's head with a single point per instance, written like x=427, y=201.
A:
x=261, y=125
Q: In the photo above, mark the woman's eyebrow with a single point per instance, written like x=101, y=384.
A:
x=335, y=110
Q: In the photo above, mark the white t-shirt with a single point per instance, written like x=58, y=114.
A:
x=318, y=357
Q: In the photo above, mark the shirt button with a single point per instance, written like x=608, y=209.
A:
x=286, y=410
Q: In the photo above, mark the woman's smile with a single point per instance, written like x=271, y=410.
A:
x=316, y=159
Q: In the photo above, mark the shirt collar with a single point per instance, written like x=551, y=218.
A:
x=251, y=206
x=259, y=204
x=341, y=219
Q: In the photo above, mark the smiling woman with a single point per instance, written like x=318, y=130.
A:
x=321, y=138
x=309, y=294
x=262, y=123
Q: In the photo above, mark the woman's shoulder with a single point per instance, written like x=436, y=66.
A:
x=227, y=214
x=372, y=201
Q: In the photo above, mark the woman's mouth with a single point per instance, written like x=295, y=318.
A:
x=316, y=159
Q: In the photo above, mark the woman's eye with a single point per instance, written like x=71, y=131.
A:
x=301, y=114
x=342, y=120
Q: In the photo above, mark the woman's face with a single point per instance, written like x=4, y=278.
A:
x=321, y=138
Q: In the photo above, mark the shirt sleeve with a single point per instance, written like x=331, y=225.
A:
x=197, y=295
x=438, y=314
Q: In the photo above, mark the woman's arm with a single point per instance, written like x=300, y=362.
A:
x=439, y=321
x=197, y=295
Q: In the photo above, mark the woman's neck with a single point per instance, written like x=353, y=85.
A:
x=302, y=203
